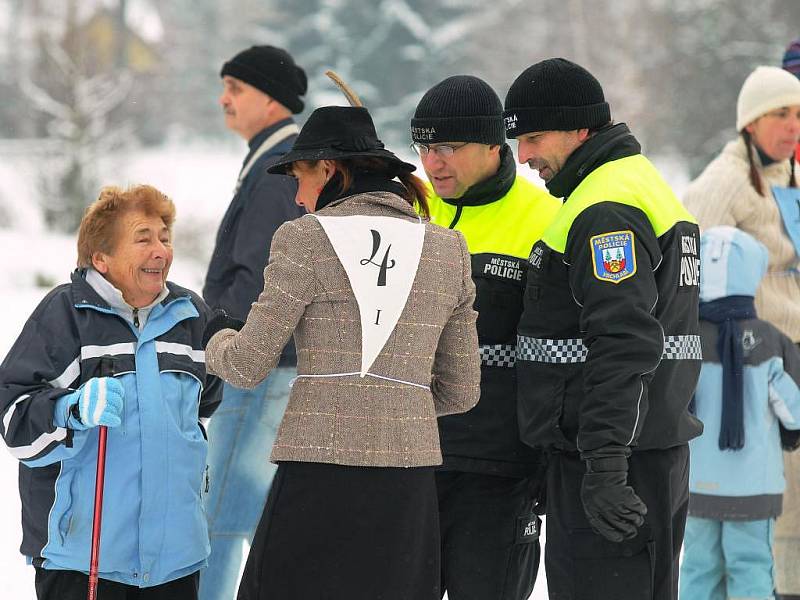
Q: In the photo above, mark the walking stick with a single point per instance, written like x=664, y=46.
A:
x=106, y=370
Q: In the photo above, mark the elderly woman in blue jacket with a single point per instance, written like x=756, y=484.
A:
x=748, y=389
x=118, y=307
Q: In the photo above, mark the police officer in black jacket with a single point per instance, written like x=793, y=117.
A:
x=608, y=352
x=489, y=479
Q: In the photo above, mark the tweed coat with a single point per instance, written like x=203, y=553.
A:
x=352, y=420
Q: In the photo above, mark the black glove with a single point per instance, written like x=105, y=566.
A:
x=611, y=506
x=219, y=321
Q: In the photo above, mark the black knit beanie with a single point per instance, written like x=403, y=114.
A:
x=461, y=108
x=271, y=70
x=554, y=95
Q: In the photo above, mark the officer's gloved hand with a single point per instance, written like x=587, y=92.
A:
x=98, y=402
x=219, y=321
x=611, y=506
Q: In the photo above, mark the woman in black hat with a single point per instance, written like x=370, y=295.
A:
x=380, y=304
x=338, y=154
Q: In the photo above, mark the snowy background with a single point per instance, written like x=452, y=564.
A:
x=99, y=92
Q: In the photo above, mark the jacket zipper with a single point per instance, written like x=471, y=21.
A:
x=136, y=318
x=456, y=217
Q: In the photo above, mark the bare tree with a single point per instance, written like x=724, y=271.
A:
x=75, y=105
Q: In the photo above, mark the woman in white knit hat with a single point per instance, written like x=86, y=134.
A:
x=752, y=185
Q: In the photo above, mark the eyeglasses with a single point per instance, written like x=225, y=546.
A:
x=442, y=150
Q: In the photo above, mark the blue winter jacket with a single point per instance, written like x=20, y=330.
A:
x=744, y=484
x=154, y=526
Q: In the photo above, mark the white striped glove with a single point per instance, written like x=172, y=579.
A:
x=98, y=402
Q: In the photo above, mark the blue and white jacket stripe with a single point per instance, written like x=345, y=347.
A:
x=154, y=527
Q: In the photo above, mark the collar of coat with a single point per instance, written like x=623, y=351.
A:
x=776, y=173
x=492, y=189
x=375, y=197
x=609, y=144
x=85, y=294
x=362, y=182
x=255, y=141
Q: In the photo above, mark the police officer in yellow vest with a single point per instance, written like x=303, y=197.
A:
x=488, y=481
x=608, y=351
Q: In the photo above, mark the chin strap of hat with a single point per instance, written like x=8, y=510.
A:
x=351, y=96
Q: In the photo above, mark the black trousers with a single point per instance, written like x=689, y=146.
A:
x=332, y=532
x=72, y=585
x=582, y=565
x=490, y=536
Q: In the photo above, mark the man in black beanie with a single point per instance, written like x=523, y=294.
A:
x=489, y=482
x=608, y=352
x=262, y=88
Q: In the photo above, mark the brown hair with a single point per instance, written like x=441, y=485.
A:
x=755, y=177
x=416, y=191
x=98, y=229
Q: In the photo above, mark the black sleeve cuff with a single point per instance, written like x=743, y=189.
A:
x=221, y=320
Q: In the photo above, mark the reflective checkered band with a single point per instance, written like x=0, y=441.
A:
x=676, y=347
x=550, y=351
x=682, y=347
x=498, y=355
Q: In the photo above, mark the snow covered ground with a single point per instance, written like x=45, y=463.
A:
x=200, y=181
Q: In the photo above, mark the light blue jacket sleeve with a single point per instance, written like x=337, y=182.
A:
x=60, y=418
x=784, y=392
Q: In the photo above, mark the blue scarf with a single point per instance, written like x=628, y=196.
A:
x=726, y=312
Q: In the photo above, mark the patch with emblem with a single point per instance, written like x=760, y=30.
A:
x=613, y=256
x=749, y=341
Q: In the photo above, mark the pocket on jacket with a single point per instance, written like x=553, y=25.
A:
x=67, y=521
x=613, y=570
x=566, y=421
x=179, y=396
x=188, y=463
x=561, y=417
x=540, y=406
x=499, y=306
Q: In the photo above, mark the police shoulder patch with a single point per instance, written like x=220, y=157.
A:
x=613, y=255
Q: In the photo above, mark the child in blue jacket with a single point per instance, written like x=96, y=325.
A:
x=748, y=386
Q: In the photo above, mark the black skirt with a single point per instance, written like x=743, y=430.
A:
x=332, y=532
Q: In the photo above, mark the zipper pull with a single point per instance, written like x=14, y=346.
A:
x=136, y=318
